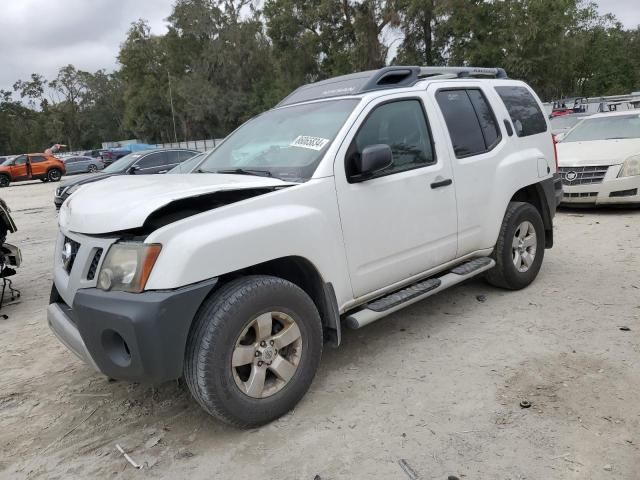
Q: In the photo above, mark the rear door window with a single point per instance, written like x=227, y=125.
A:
x=184, y=155
x=153, y=160
x=37, y=159
x=523, y=109
x=487, y=119
x=462, y=122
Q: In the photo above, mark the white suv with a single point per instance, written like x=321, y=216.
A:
x=353, y=198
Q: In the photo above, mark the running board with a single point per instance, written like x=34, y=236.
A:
x=399, y=299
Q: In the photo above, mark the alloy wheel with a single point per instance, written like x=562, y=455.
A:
x=267, y=354
x=524, y=246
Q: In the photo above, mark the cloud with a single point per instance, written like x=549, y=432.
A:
x=40, y=36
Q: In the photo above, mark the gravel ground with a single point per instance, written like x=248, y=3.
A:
x=431, y=391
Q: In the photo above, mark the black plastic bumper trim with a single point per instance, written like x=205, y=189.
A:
x=155, y=326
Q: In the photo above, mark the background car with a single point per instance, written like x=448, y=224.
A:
x=599, y=160
x=188, y=166
x=91, y=153
x=111, y=155
x=138, y=163
x=81, y=164
x=33, y=166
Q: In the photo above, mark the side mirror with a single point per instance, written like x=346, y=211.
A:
x=133, y=169
x=373, y=159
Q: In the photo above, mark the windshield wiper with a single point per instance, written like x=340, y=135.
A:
x=246, y=171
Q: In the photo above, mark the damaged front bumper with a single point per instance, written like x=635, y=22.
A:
x=138, y=337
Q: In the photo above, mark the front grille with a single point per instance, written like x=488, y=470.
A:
x=94, y=264
x=580, y=194
x=69, y=255
x=583, y=175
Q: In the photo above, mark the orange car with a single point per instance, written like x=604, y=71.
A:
x=33, y=166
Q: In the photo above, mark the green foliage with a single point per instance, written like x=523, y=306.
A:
x=224, y=61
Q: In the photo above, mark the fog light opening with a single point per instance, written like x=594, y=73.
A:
x=116, y=348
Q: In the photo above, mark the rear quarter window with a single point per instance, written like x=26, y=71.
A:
x=523, y=109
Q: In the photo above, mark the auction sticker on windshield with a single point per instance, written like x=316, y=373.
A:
x=312, y=143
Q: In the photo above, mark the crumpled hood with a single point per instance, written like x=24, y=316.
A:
x=125, y=201
x=597, y=152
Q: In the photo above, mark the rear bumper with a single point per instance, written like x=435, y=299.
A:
x=611, y=191
x=137, y=337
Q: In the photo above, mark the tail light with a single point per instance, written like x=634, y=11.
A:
x=555, y=150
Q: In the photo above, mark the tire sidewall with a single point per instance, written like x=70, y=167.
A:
x=515, y=278
x=216, y=372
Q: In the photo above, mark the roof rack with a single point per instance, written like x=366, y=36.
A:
x=387, y=77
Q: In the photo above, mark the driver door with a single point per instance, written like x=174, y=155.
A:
x=402, y=221
x=19, y=169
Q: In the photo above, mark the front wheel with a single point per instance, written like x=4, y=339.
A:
x=44, y=179
x=253, y=350
x=520, y=247
x=4, y=181
x=93, y=168
x=54, y=175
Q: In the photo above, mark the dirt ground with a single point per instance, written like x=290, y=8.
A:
x=431, y=391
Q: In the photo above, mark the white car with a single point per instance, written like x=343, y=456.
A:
x=599, y=160
x=351, y=199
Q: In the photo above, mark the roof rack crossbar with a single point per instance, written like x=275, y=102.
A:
x=463, y=72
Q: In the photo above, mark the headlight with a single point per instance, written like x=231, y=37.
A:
x=127, y=266
x=630, y=167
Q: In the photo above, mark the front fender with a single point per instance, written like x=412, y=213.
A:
x=297, y=221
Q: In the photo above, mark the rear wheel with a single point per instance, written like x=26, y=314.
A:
x=520, y=248
x=4, y=181
x=54, y=175
x=253, y=350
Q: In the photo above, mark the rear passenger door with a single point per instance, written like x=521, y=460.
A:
x=489, y=161
x=401, y=221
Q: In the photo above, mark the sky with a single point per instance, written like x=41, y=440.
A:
x=43, y=35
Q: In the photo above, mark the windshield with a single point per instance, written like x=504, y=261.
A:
x=564, y=122
x=605, y=128
x=122, y=164
x=7, y=161
x=188, y=165
x=287, y=143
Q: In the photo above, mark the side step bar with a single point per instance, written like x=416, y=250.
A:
x=395, y=301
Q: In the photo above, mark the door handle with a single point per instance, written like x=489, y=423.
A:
x=442, y=183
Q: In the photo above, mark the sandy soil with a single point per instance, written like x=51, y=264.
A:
x=437, y=385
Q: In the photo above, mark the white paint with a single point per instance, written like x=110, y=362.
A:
x=364, y=238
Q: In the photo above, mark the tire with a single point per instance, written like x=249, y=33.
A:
x=44, y=179
x=522, y=220
x=5, y=181
x=54, y=175
x=218, y=333
x=92, y=168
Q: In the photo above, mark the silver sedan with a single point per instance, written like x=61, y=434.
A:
x=81, y=164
